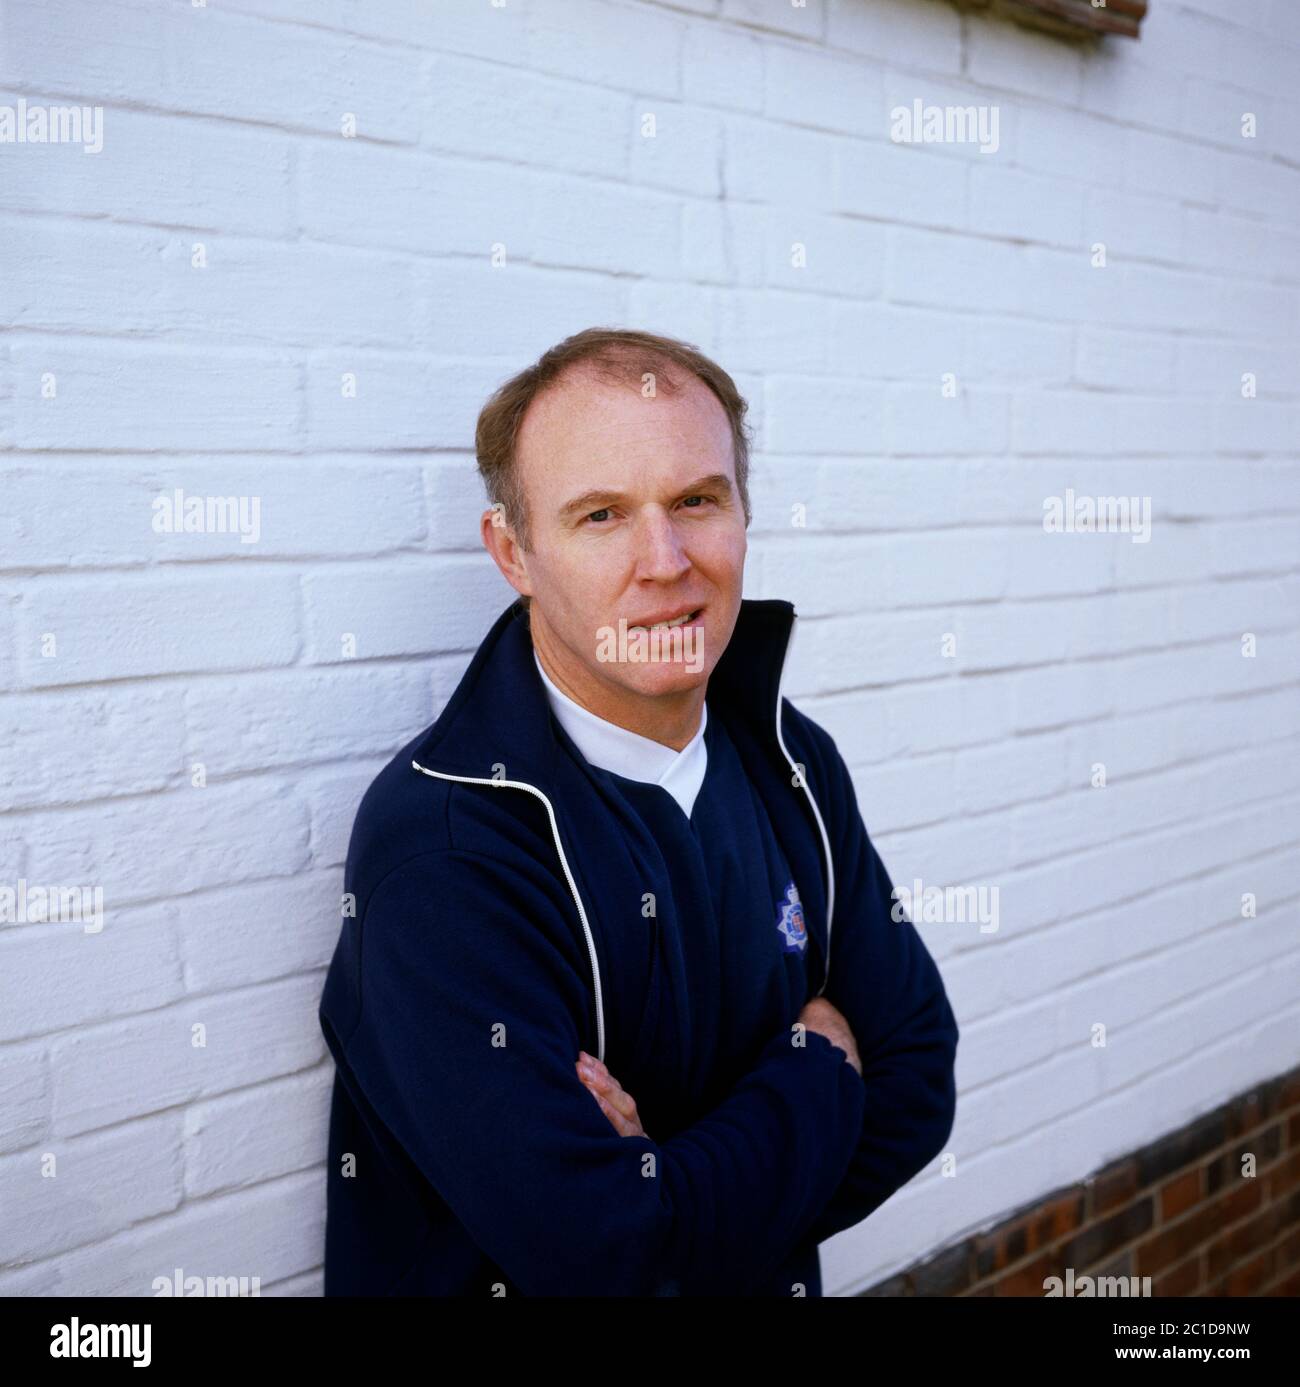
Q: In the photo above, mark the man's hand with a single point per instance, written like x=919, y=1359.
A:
x=620, y=1107
x=615, y=1102
x=827, y=1019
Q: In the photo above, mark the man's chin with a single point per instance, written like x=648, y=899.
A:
x=662, y=679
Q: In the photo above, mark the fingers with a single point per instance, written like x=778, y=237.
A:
x=620, y=1123
x=614, y=1092
x=615, y=1101
x=601, y=1082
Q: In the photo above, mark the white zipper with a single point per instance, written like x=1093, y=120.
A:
x=817, y=813
x=568, y=876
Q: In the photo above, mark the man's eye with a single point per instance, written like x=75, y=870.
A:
x=698, y=498
x=596, y=514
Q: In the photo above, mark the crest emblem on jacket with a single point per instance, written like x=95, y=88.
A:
x=790, y=922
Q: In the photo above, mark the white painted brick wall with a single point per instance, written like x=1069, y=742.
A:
x=520, y=126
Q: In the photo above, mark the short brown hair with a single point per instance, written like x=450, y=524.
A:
x=616, y=356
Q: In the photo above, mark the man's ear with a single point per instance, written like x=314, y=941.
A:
x=508, y=554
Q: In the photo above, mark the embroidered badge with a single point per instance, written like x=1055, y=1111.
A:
x=789, y=920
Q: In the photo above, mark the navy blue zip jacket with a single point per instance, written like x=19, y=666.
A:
x=505, y=916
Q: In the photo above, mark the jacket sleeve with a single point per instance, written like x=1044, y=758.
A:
x=884, y=980
x=475, y=998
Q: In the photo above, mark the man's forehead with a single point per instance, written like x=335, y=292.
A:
x=587, y=404
x=562, y=433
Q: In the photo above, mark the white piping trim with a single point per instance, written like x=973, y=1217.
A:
x=568, y=876
x=817, y=813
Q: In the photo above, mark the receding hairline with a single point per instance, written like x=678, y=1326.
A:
x=584, y=374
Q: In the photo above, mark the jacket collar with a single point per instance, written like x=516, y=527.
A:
x=499, y=713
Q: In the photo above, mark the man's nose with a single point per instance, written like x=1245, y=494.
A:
x=660, y=554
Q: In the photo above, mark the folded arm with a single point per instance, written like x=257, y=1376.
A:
x=475, y=998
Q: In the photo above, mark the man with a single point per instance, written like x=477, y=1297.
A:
x=621, y=1008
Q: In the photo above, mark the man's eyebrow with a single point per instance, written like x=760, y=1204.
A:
x=598, y=499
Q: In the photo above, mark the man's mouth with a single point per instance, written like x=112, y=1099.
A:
x=667, y=622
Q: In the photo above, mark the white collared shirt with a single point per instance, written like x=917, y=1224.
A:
x=629, y=754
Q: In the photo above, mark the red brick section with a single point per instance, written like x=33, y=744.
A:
x=1210, y=1210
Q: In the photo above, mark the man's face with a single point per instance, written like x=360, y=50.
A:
x=634, y=516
